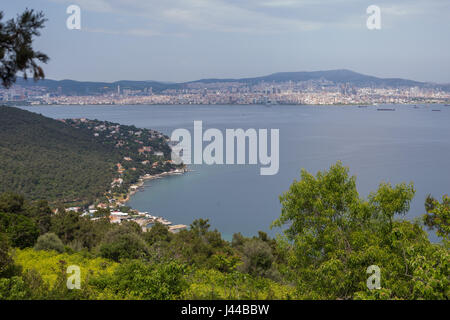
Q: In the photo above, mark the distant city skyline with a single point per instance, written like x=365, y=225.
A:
x=186, y=40
x=318, y=88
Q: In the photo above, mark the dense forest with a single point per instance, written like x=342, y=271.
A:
x=73, y=161
x=332, y=236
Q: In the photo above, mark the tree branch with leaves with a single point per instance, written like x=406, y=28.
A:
x=16, y=47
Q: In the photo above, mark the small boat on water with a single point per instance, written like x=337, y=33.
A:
x=362, y=106
x=435, y=110
x=385, y=109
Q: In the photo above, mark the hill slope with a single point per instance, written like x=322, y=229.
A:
x=73, y=87
x=75, y=160
x=45, y=158
x=341, y=76
x=337, y=76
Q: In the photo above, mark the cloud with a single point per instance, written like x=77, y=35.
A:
x=214, y=15
x=130, y=32
x=205, y=15
x=249, y=16
x=282, y=3
x=415, y=8
x=300, y=3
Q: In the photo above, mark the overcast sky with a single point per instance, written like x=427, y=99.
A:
x=181, y=40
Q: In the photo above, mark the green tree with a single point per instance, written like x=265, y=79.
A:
x=238, y=240
x=200, y=226
x=7, y=268
x=12, y=203
x=65, y=225
x=16, y=51
x=123, y=242
x=90, y=232
x=198, y=245
x=40, y=213
x=336, y=235
x=49, y=241
x=157, y=233
x=21, y=230
x=438, y=215
x=257, y=258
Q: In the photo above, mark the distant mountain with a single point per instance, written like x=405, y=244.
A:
x=336, y=76
x=72, y=87
x=342, y=76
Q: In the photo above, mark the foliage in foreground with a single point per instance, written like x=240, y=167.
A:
x=16, y=47
x=332, y=235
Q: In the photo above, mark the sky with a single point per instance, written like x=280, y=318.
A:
x=183, y=40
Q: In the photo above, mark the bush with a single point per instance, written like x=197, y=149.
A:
x=122, y=243
x=157, y=233
x=7, y=266
x=135, y=279
x=49, y=241
x=257, y=257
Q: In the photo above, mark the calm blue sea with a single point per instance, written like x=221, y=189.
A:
x=409, y=144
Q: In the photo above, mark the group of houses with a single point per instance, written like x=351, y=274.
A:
x=144, y=219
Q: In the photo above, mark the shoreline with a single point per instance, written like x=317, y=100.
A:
x=143, y=218
x=134, y=188
x=146, y=218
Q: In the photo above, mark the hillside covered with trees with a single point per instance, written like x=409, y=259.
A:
x=73, y=161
